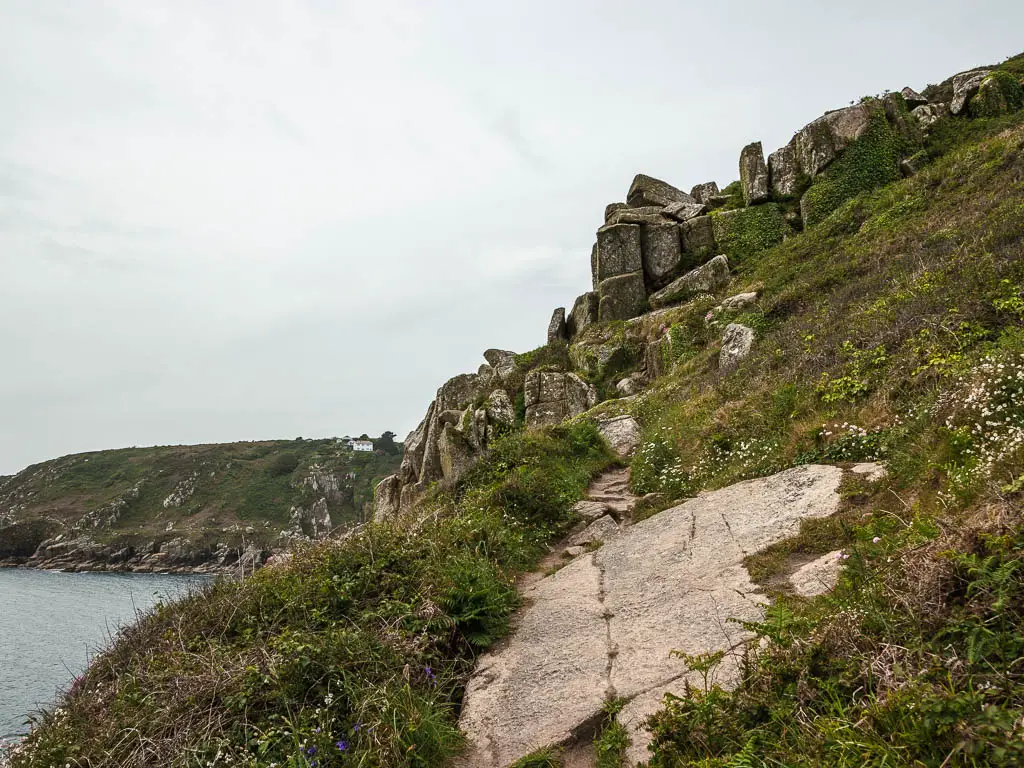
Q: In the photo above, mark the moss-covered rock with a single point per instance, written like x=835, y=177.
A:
x=869, y=162
x=999, y=94
x=744, y=232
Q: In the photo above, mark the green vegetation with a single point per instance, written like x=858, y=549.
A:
x=870, y=162
x=745, y=232
x=1000, y=94
x=207, y=488
x=355, y=655
x=892, y=329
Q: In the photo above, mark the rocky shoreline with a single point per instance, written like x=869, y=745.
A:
x=177, y=556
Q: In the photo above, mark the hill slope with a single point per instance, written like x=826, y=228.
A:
x=891, y=328
x=184, y=506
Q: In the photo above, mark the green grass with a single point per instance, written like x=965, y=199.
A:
x=367, y=642
x=234, y=484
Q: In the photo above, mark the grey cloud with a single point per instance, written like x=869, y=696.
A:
x=239, y=220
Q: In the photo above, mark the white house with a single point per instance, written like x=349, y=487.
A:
x=362, y=445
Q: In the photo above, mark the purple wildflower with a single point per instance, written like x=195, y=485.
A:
x=343, y=745
x=311, y=750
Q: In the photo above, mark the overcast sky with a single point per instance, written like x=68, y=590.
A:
x=230, y=220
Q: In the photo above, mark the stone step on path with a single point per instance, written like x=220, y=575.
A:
x=605, y=625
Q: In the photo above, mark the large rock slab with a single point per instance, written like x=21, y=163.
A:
x=387, y=498
x=698, y=239
x=618, y=251
x=753, y=174
x=648, y=191
x=703, y=193
x=583, y=314
x=965, y=85
x=662, y=252
x=622, y=434
x=621, y=297
x=553, y=396
x=707, y=278
x=737, y=341
x=820, y=142
x=556, y=327
x=605, y=625
x=785, y=178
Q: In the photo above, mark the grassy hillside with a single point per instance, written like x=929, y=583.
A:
x=136, y=495
x=892, y=329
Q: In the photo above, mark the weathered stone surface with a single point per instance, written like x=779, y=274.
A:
x=628, y=386
x=646, y=190
x=929, y=114
x=661, y=251
x=502, y=361
x=913, y=98
x=556, y=327
x=602, y=529
x=622, y=434
x=685, y=211
x=645, y=215
x=737, y=341
x=591, y=510
x=551, y=397
x=593, y=266
x=965, y=85
x=456, y=393
x=584, y=313
x=606, y=623
x=415, y=442
x=618, y=251
x=753, y=174
x=818, y=576
x=455, y=454
x=820, y=142
x=612, y=208
x=785, y=178
x=698, y=239
x=703, y=193
x=621, y=297
x=387, y=498
x=599, y=358
x=739, y=301
x=871, y=471
x=431, y=467
x=707, y=278
x=500, y=411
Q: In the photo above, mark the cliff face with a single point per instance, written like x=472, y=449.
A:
x=194, y=508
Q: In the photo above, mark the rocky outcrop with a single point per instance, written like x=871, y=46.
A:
x=552, y=397
x=648, y=191
x=621, y=297
x=622, y=434
x=784, y=175
x=753, y=174
x=584, y=313
x=703, y=193
x=912, y=98
x=820, y=142
x=387, y=498
x=965, y=86
x=661, y=252
x=737, y=342
x=618, y=251
x=556, y=327
x=707, y=278
x=929, y=114
x=605, y=625
x=698, y=240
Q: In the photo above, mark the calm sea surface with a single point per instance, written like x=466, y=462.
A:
x=52, y=623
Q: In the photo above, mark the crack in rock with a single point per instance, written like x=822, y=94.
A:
x=666, y=589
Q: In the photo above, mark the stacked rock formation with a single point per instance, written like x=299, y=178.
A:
x=662, y=247
x=468, y=412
